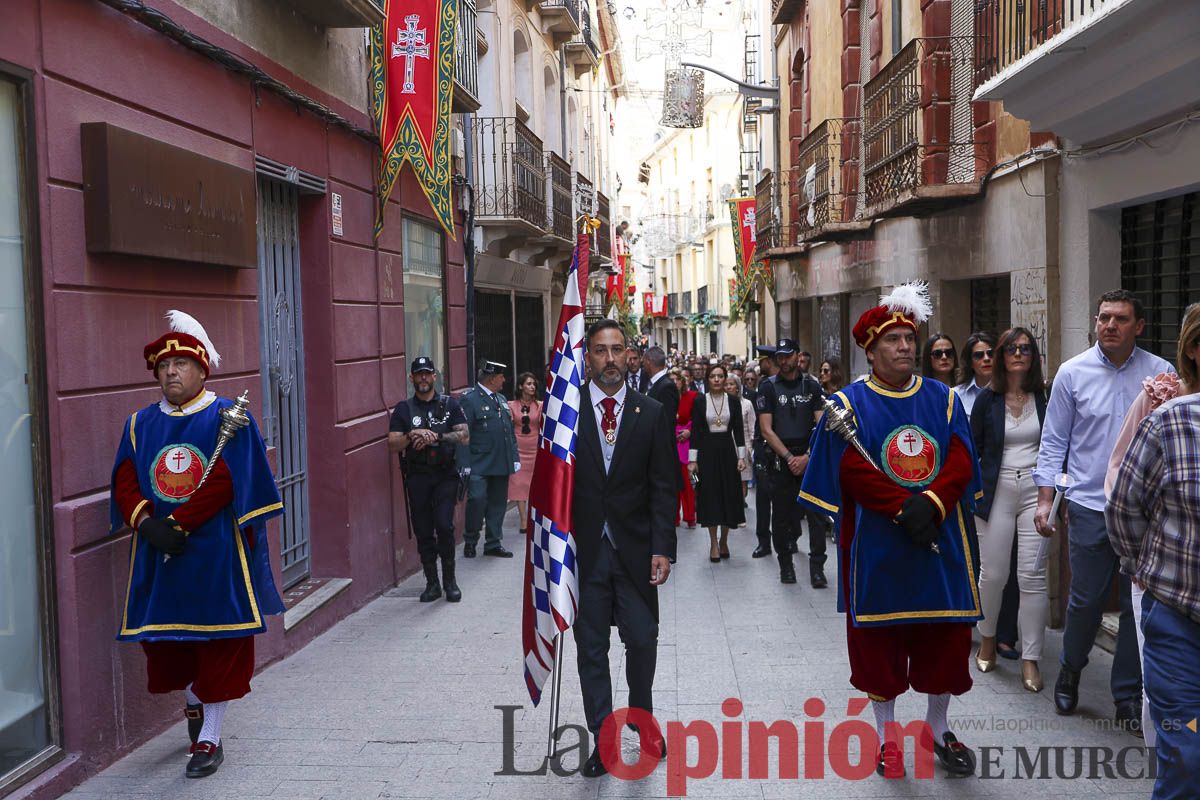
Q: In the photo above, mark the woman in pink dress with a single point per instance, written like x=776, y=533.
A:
x=527, y=421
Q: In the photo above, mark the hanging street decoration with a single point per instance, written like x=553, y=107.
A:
x=742, y=213
x=412, y=86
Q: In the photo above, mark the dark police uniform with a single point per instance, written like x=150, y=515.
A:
x=430, y=476
x=491, y=455
x=793, y=406
x=762, y=476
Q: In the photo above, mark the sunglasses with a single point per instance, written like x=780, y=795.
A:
x=980, y=355
x=524, y=419
x=942, y=353
x=1024, y=349
x=826, y=369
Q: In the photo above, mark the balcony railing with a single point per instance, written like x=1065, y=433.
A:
x=673, y=304
x=604, y=232
x=561, y=8
x=766, y=196
x=825, y=179
x=466, y=60
x=581, y=50
x=1008, y=30
x=685, y=304
x=562, y=214
x=917, y=125
x=782, y=11
x=585, y=195
x=510, y=171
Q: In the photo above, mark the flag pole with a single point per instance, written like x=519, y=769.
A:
x=555, y=689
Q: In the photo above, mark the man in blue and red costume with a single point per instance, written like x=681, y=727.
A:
x=200, y=583
x=909, y=610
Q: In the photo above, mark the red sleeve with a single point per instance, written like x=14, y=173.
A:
x=948, y=487
x=684, y=417
x=870, y=488
x=128, y=493
x=215, y=494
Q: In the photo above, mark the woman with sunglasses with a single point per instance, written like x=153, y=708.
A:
x=527, y=419
x=830, y=376
x=1006, y=424
x=716, y=457
x=977, y=365
x=683, y=435
x=939, y=359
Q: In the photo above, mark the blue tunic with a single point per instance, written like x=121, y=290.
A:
x=222, y=586
x=908, y=433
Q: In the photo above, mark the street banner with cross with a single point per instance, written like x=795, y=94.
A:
x=412, y=85
x=745, y=233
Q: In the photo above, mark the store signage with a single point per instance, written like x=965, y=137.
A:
x=144, y=197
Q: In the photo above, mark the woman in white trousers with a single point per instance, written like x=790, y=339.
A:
x=1006, y=423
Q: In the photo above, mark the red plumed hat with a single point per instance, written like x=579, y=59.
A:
x=187, y=337
x=907, y=305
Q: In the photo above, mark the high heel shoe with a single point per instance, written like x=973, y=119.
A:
x=984, y=665
x=723, y=549
x=1033, y=684
x=714, y=555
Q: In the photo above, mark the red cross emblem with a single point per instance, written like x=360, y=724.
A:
x=176, y=472
x=910, y=456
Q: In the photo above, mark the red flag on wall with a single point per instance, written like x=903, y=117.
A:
x=648, y=304
x=412, y=75
x=742, y=211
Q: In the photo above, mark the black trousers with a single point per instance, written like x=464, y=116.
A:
x=431, y=499
x=786, y=516
x=763, y=482
x=608, y=592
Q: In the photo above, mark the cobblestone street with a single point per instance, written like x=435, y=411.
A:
x=399, y=700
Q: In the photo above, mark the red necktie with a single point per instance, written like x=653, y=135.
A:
x=609, y=421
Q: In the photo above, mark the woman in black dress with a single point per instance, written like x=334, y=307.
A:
x=716, y=458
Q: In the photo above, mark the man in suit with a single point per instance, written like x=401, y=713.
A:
x=624, y=510
x=657, y=386
x=491, y=456
x=635, y=375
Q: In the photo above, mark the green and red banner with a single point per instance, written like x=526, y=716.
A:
x=742, y=210
x=412, y=86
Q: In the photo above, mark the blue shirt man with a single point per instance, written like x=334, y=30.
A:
x=1090, y=396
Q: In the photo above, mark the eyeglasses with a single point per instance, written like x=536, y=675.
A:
x=524, y=419
x=825, y=369
x=980, y=355
x=1024, y=349
x=941, y=353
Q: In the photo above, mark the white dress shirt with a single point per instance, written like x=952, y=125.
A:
x=597, y=395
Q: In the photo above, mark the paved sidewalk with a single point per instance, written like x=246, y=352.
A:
x=398, y=701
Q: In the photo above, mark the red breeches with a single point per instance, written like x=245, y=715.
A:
x=217, y=669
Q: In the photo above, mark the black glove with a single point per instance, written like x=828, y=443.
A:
x=919, y=518
x=164, y=535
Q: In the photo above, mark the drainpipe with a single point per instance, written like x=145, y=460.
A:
x=468, y=187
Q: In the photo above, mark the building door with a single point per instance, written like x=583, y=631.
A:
x=27, y=717
x=283, y=421
x=494, y=333
x=1160, y=264
x=531, y=337
x=991, y=306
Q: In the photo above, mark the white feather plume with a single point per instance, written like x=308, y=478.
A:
x=186, y=323
x=912, y=298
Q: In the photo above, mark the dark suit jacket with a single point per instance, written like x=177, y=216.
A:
x=987, y=429
x=666, y=392
x=636, y=497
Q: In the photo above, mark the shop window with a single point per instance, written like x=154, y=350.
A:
x=425, y=296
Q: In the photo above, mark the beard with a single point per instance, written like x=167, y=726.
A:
x=610, y=378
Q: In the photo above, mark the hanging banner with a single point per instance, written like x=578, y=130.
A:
x=741, y=211
x=648, y=304
x=412, y=85
x=615, y=284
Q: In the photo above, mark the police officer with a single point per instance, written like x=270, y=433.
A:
x=492, y=457
x=789, y=407
x=425, y=431
x=762, y=467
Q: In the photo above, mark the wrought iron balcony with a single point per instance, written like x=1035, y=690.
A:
x=766, y=201
x=561, y=219
x=510, y=173
x=1008, y=30
x=581, y=51
x=466, y=60
x=673, y=304
x=918, y=130
x=560, y=18
x=603, y=248
x=702, y=299
x=782, y=11
x=823, y=188
x=585, y=195
x=685, y=302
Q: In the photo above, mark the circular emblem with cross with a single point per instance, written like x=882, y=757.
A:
x=910, y=456
x=416, y=422
x=176, y=472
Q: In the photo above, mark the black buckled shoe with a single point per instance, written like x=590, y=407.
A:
x=594, y=766
x=206, y=759
x=1066, y=691
x=433, y=589
x=787, y=572
x=817, y=576
x=195, y=720
x=761, y=552
x=498, y=551
x=1128, y=717
x=468, y=550
x=453, y=593
x=891, y=761
x=956, y=757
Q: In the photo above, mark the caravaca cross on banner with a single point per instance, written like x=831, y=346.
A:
x=551, y=580
x=412, y=86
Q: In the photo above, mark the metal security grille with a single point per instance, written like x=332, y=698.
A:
x=494, y=332
x=531, y=337
x=283, y=421
x=1160, y=264
x=991, y=309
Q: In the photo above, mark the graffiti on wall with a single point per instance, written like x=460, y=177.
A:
x=1030, y=306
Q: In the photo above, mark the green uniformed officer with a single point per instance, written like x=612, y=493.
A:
x=491, y=456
